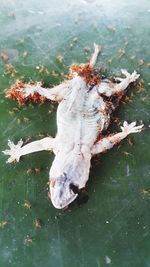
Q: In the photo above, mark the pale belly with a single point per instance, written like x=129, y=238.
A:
x=81, y=122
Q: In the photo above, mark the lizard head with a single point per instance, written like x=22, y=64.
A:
x=63, y=191
x=67, y=182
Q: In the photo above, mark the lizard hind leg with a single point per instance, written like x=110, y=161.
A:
x=109, y=141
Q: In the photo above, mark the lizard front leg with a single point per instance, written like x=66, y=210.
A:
x=24, y=92
x=109, y=89
x=108, y=142
x=16, y=151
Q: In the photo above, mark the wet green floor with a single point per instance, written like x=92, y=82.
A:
x=40, y=39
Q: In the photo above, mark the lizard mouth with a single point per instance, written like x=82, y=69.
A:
x=77, y=197
x=63, y=194
x=74, y=188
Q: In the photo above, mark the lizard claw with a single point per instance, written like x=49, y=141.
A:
x=125, y=73
x=14, y=151
x=131, y=128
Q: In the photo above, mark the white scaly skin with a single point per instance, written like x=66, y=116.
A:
x=81, y=116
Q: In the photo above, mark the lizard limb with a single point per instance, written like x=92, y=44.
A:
x=16, y=151
x=108, y=142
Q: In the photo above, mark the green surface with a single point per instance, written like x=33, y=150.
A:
x=113, y=228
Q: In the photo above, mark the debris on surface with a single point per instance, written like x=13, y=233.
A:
x=37, y=170
x=21, y=41
x=141, y=62
x=11, y=112
x=4, y=56
x=40, y=135
x=28, y=240
x=37, y=223
x=54, y=73
x=129, y=140
x=25, y=119
x=74, y=41
x=25, y=54
x=3, y=223
x=27, y=205
x=111, y=28
x=87, y=50
x=109, y=61
x=146, y=192
x=18, y=121
x=121, y=53
x=126, y=153
x=107, y=260
x=12, y=14
x=127, y=170
x=132, y=57
x=29, y=171
x=140, y=86
x=60, y=58
x=42, y=69
x=148, y=65
x=9, y=55
x=10, y=70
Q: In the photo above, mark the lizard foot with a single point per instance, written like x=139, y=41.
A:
x=130, y=77
x=14, y=151
x=131, y=128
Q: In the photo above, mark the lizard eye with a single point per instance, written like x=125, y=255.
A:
x=74, y=188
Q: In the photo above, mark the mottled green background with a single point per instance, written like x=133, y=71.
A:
x=113, y=227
